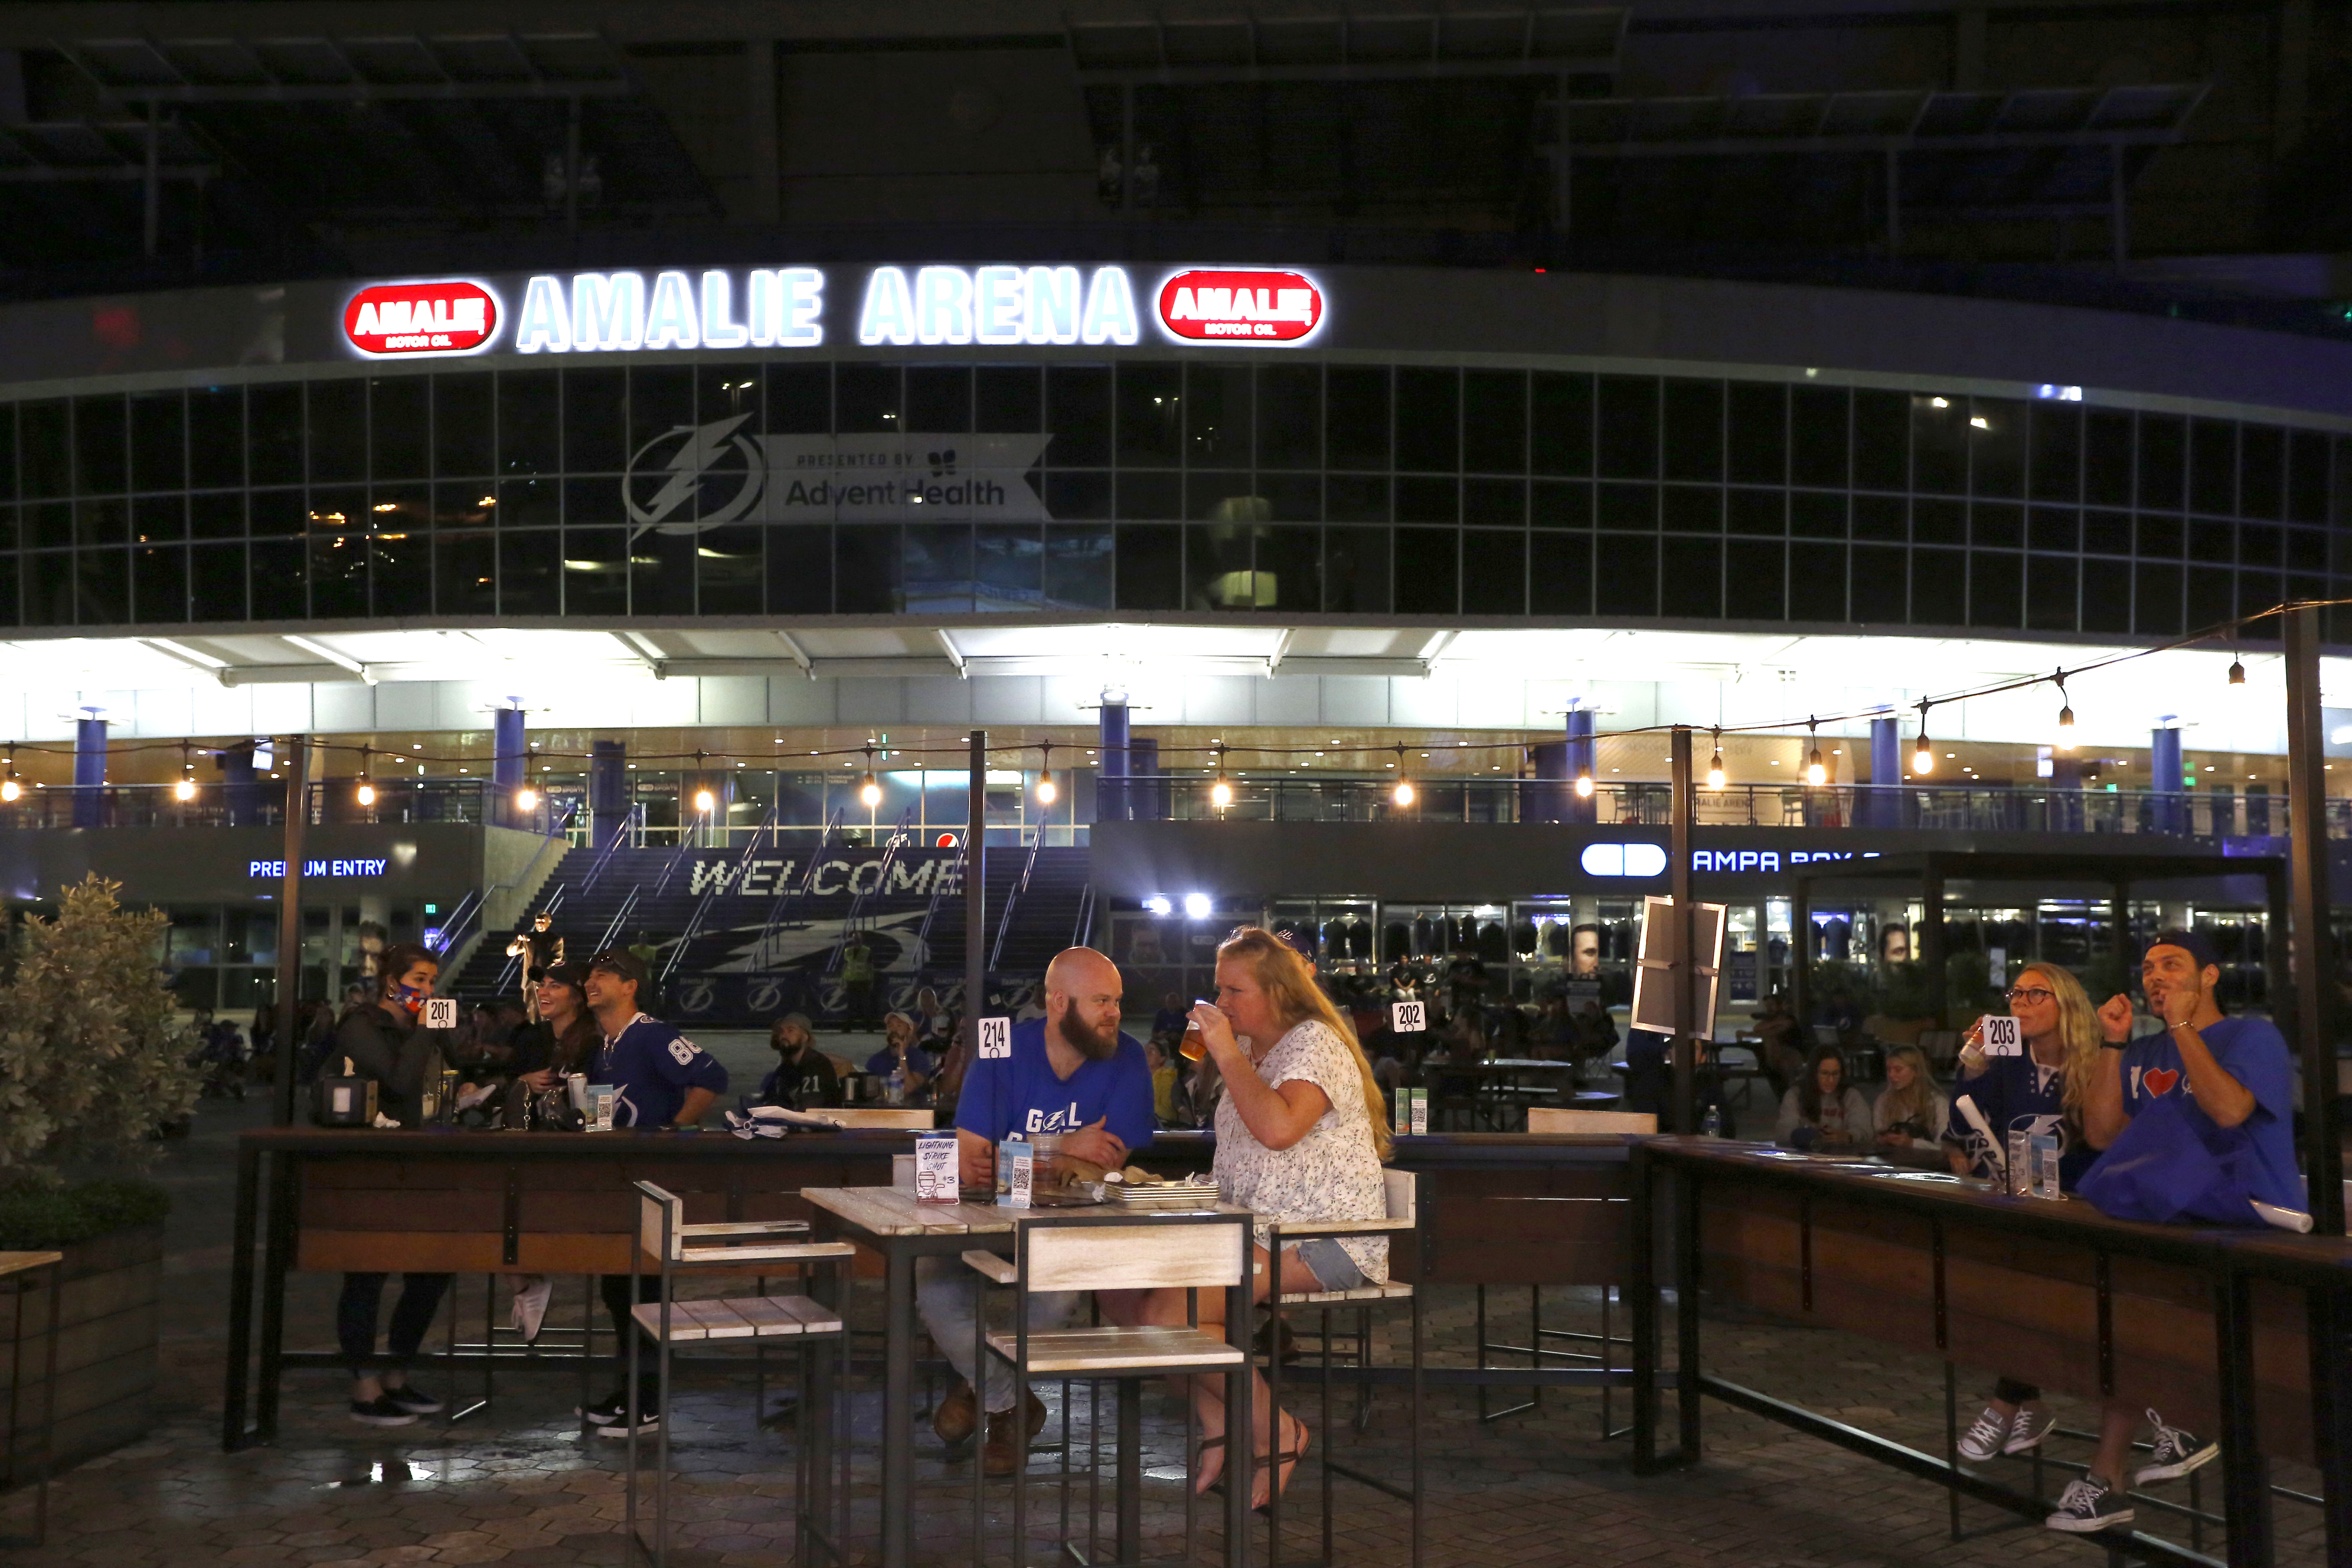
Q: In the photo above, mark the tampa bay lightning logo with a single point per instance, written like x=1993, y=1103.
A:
x=693, y=476
x=696, y=997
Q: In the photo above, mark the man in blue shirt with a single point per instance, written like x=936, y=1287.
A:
x=1074, y=1074
x=2230, y=1072
x=661, y=1079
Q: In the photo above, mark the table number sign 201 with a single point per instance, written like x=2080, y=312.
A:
x=995, y=1039
x=441, y=1012
x=2001, y=1036
x=1409, y=1017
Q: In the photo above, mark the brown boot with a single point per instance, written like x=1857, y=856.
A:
x=1001, y=1454
x=957, y=1416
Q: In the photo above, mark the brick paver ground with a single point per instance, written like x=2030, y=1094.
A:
x=519, y=1484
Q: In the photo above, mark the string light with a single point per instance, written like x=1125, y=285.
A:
x=1220, y=790
x=1715, y=764
x=1815, y=772
x=2237, y=671
x=1402, y=793
x=705, y=801
x=1045, y=790
x=1584, y=784
x=186, y=788
x=9, y=788
x=869, y=788
x=1923, y=757
x=527, y=799
x=2065, y=716
x=363, y=791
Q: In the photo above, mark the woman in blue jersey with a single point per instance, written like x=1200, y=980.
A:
x=2041, y=1092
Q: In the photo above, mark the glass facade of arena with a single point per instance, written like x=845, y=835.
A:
x=1289, y=486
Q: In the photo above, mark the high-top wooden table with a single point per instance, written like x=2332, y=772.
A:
x=900, y=1230
x=507, y=1203
x=2241, y=1334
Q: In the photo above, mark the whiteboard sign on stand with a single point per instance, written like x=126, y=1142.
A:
x=1653, y=992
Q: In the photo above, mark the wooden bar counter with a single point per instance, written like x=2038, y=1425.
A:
x=1507, y=1209
x=2215, y=1328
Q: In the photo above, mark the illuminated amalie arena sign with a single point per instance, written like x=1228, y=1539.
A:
x=797, y=308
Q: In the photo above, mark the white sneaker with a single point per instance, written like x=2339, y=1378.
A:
x=2088, y=1505
x=2178, y=1452
x=529, y=1308
x=2025, y=1433
x=1984, y=1440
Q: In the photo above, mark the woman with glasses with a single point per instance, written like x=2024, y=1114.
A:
x=2040, y=1093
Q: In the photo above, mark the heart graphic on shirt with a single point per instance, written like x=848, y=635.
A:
x=2159, y=1082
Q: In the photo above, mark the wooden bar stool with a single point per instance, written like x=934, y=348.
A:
x=664, y=1238
x=1403, y=1193
x=1119, y=1251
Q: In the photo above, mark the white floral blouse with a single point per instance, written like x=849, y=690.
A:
x=1332, y=1172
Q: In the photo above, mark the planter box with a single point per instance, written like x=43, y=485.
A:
x=109, y=1325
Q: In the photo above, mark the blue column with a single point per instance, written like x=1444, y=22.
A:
x=608, y=788
x=1110, y=772
x=510, y=761
x=90, y=771
x=1883, y=807
x=1581, y=758
x=2164, y=765
x=1147, y=801
x=2066, y=794
x=238, y=788
x=1548, y=799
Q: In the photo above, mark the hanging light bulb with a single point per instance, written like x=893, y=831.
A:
x=1584, y=784
x=2065, y=717
x=526, y=799
x=1046, y=791
x=185, y=789
x=705, y=801
x=9, y=788
x=1815, y=772
x=1715, y=764
x=2237, y=671
x=363, y=791
x=1923, y=757
x=869, y=788
x=1221, y=791
x=1402, y=793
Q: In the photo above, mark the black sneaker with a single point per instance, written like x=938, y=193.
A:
x=381, y=1411
x=2178, y=1452
x=648, y=1425
x=605, y=1411
x=2087, y=1505
x=413, y=1399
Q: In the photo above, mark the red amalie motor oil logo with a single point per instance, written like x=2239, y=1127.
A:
x=1241, y=307
x=447, y=316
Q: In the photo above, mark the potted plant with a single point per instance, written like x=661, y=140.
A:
x=92, y=1069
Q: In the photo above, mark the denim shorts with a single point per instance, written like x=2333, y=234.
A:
x=1330, y=1262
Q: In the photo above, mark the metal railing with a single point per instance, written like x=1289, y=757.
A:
x=1012, y=901
x=787, y=895
x=711, y=890
x=859, y=897
x=2038, y=808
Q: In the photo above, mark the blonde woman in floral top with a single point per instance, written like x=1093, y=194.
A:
x=1300, y=1137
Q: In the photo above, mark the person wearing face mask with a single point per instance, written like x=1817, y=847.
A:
x=382, y=1041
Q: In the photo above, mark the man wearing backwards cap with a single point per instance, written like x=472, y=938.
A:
x=2230, y=1072
x=659, y=1079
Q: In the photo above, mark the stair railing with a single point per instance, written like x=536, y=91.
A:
x=1083, y=930
x=938, y=895
x=1012, y=901
x=631, y=821
x=764, y=953
x=710, y=891
x=858, y=900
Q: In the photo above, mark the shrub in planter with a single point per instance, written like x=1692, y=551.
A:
x=91, y=1069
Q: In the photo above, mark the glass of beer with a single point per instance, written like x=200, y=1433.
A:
x=1194, y=1044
